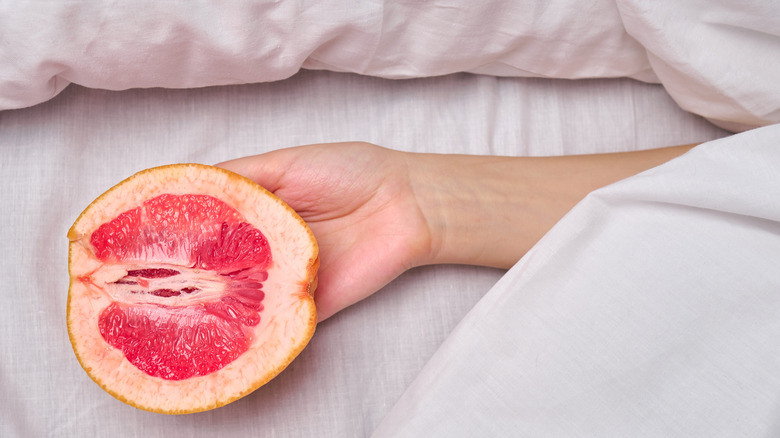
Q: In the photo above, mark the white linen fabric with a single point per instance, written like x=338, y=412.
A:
x=179, y=44
x=651, y=309
x=718, y=59
x=60, y=155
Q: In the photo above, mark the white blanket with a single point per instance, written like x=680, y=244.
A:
x=716, y=58
x=650, y=310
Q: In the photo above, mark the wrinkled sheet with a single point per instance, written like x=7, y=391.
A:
x=651, y=309
x=60, y=155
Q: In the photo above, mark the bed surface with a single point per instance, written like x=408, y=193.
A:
x=59, y=155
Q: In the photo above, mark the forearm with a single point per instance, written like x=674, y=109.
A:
x=489, y=211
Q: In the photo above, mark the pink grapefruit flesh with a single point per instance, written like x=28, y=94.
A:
x=190, y=287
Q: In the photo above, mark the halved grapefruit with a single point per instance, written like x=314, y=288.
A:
x=190, y=287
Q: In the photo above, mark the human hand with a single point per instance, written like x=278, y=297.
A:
x=358, y=201
x=377, y=212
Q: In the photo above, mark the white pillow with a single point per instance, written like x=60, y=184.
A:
x=184, y=44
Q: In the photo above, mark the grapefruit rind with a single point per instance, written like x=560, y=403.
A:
x=288, y=319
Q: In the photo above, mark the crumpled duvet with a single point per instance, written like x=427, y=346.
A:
x=717, y=59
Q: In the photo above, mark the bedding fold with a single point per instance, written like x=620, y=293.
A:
x=649, y=310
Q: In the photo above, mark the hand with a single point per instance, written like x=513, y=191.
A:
x=377, y=212
x=358, y=201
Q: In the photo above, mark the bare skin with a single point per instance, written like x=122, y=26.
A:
x=377, y=212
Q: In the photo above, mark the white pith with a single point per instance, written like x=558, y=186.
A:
x=209, y=284
x=286, y=322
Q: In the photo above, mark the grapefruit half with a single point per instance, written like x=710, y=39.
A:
x=190, y=287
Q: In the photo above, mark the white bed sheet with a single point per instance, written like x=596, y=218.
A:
x=649, y=310
x=59, y=155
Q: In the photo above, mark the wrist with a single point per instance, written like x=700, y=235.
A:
x=489, y=211
x=473, y=207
